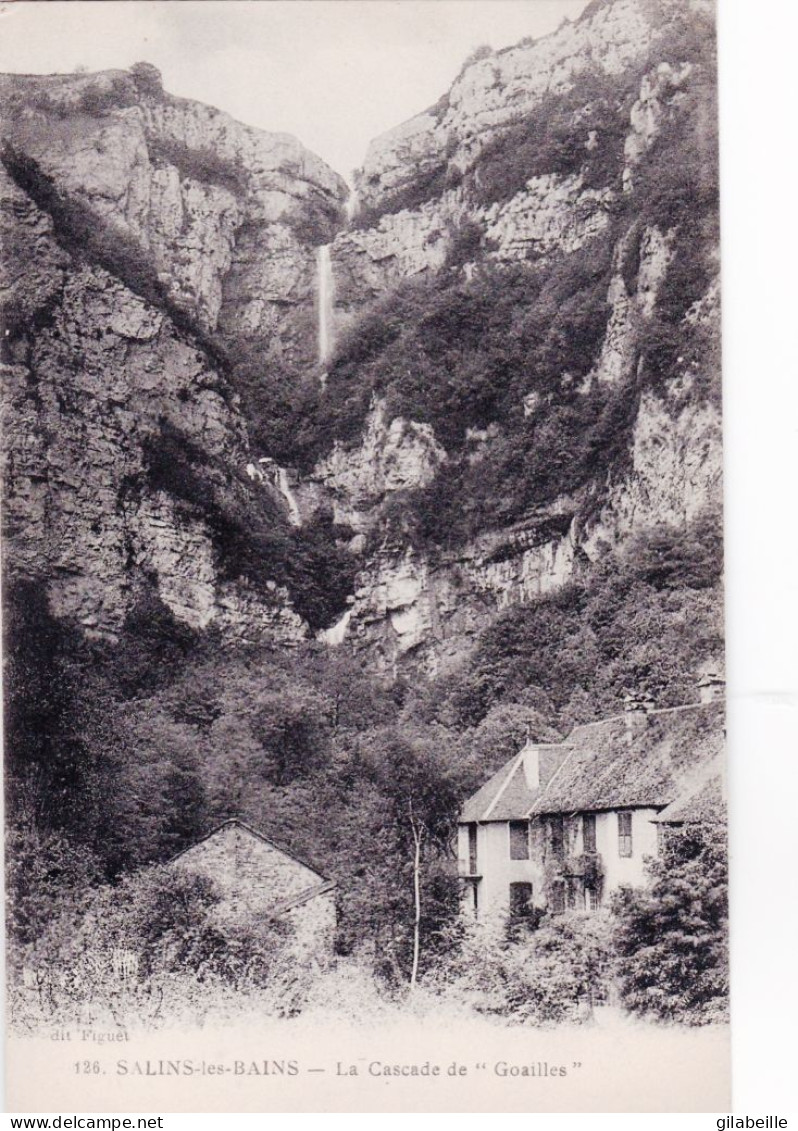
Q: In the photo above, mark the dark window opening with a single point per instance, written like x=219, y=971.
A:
x=519, y=840
x=557, y=897
x=472, y=848
x=520, y=899
x=624, y=834
x=589, y=832
x=575, y=896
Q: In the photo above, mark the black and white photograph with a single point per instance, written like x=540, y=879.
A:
x=362, y=545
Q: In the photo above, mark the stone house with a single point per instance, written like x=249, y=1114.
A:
x=257, y=878
x=562, y=825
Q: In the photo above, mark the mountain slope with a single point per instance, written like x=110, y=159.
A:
x=532, y=279
x=129, y=224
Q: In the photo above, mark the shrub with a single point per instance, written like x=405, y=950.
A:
x=428, y=184
x=169, y=921
x=534, y=976
x=148, y=79
x=103, y=95
x=465, y=244
x=672, y=939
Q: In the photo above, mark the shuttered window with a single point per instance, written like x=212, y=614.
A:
x=624, y=834
x=519, y=840
x=557, y=837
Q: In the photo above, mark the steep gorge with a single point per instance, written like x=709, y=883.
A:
x=520, y=367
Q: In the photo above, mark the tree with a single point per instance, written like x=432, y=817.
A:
x=423, y=794
x=671, y=938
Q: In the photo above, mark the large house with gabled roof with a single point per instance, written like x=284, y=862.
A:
x=562, y=825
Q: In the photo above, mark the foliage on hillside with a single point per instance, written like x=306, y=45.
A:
x=120, y=754
x=252, y=538
x=200, y=164
x=645, y=619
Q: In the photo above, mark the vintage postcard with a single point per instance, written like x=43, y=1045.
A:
x=362, y=557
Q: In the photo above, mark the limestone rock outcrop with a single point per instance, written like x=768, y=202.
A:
x=220, y=215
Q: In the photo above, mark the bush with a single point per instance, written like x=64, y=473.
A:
x=168, y=921
x=102, y=96
x=544, y=976
x=672, y=939
x=147, y=79
x=427, y=185
x=465, y=244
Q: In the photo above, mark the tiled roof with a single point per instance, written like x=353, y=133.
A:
x=507, y=796
x=648, y=762
x=236, y=822
x=699, y=800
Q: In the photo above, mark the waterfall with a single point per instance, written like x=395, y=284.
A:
x=268, y=470
x=336, y=635
x=284, y=487
x=325, y=289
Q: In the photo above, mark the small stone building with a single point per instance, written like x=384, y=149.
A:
x=563, y=825
x=256, y=878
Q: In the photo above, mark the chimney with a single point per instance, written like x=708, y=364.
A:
x=636, y=711
x=711, y=687
x=531, y=763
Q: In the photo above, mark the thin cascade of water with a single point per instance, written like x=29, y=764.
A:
x=337, y=633
x=284, y=487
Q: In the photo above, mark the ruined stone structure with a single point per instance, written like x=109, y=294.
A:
x=257, y=880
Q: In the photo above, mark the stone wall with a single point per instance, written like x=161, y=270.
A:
x=256, y=878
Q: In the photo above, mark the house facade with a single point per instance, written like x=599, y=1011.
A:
x=562, y=826
x=259, y=880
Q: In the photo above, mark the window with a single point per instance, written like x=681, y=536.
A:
x=557, y=897
x=575, y=895
x=557, y=837
x=591, y=899
x=469, y=894
x=624, y=834
x=520, y=899
x=472, y=849
x=589, y=832
x=519, y=840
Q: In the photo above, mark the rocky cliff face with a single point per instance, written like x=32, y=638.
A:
x=419, y=193
x=111, y=356
x=139, y=231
